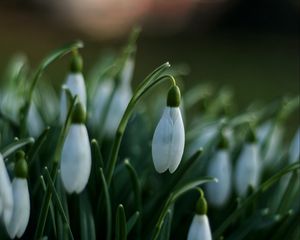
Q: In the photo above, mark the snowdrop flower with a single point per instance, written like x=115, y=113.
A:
x=75, y=162
x=119, y=102
x=6, y=193
x=34, y=121
x=21, y=209
x=294, y=151
x=200, y=229
x=247, y=172
x=220, y=168
x=168, y=139
x=74, y=82
x=269, y=137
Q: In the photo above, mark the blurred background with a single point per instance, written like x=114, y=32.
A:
x=250, y=45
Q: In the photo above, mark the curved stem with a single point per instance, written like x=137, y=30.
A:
x=123, y=123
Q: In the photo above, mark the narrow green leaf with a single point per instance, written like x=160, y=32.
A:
x=263, y=187
x=11, y=148
x=121, y=227
x=51, y=205
x=96, y=153
x=287, y=196
x=132, y=221
x=37, y=146
x=108, y=205
x=137, y=191
x=166, y=228
x=174, y=196
x=87, y=224
x=56, y=158
x=58, y=202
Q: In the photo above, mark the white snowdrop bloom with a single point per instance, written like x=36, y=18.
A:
x=247, y=172
x=273, y=134
x=220, y=168
x=119, y=102
x=75, y=82
x=75, y=161
x=168, y=139
x=294, y=151
x=6, y=193
x=200, y=228
x=21, y=209
x=34, y=121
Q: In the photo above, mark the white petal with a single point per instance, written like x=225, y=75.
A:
x=199, y=229
x=76, y=159
x=75, y=82
x=117, y=108
x=34, y=121
x=127, y=71
x=219, y=167
x=21, y=211
x=294, y=151
x=168, y=141
x=248, y=169
x=6, y=193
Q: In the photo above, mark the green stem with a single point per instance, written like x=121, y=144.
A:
x=123, y=123
x=47, y=197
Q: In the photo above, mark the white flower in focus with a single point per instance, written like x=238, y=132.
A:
x=294, y=151
x=6, y=193
x=220, y=168
x=168, y=139
x=21, y=210
x=200, y=229
x=247, y=170
x=76, y=162
x=75, y=83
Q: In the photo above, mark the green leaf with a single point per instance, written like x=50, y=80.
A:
x=262, y=188
x=96, y=153
x=121, y=227
x=11, y=148
x=137, y=191
x=132, y=221
x=37, y=75
x=108, y=205
x=87, y=224
x=37, y=145
x=174, y=196
x=166, y=228
x=58, y=202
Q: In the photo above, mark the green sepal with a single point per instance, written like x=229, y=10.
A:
x=21, y=167
x=76, y=63
x=223, y=142
x=79, y=114
x=201, y=205
x=174, y=97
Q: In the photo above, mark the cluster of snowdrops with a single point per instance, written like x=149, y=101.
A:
x=78, y=164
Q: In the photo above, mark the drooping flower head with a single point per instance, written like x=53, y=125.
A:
x=247, y=172
x=21, y=210
x=75, y=83
x=168, y=139
x=200, y=229
x=75, y=161
x=220, y=168
x=6, y=193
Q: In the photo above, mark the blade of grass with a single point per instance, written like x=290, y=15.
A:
x=132, y=221
x=58, y=202
x=108, y=205
x=121, y=227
